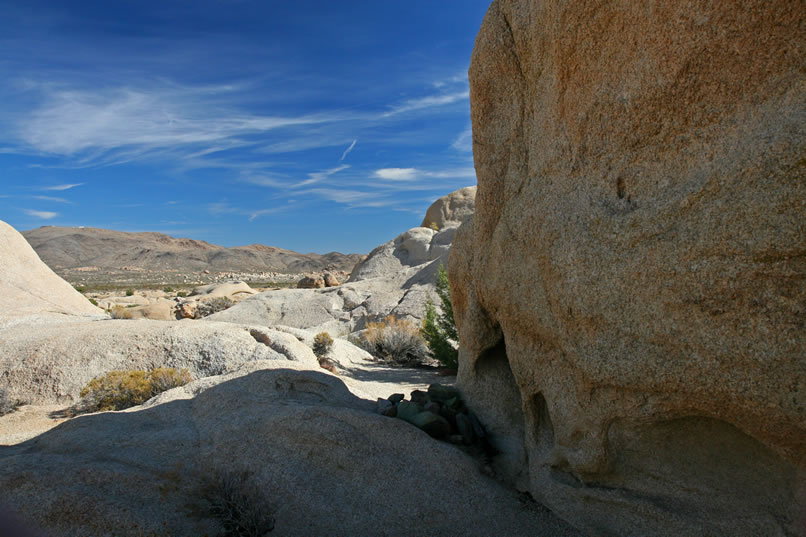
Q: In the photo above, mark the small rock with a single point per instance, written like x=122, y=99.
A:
x=395, y=398
x=420, y=397
x=441, y=393
x=186, y=310
x=465, y=428
x=478, y=429
x=383, y=405
x=330, y=280
x=431, y=406
x=456, y=439
x=436, y=426
x=309, y=282
x=406, y=410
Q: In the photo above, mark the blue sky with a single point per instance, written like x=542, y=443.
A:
x=309, y=125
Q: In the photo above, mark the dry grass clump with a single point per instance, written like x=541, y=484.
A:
x=121, y=312
x=242, y=507
x=393, y=340
x=123, y=389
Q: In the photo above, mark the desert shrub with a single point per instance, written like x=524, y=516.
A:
x=93, y=301
x=434, y=226
x=181, y=294
x=123, y=389
x=439, y=329
x=129, y=292
x=242, y=507
x=394, y=340
x=121, y=312
x=7, y=403
x=214, y=305
x=322, y=344
x=79, y=288
x=168, y=289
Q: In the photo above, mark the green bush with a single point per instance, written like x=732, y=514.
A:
x=439, y=329
x=80, y=288
x=394, y=340
x=123, y=389
x=93, y=301
x=181, y=294
x=168, y=289
x=129, y=292
x=322, y=344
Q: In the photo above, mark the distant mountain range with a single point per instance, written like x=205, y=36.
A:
x=74, y=247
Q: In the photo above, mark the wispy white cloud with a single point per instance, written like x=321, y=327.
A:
x=396, y=174
x=318, y=177
x=347, y=151
x=350, y=197
x=94, y=122
x=263, y=212
x=410, y=174
x=464, y=142
x=455, y=79
x=45, y=215
x=62, y=187
x=427, y=102
x=52, y=198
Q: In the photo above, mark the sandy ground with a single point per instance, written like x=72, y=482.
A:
x=29, y=421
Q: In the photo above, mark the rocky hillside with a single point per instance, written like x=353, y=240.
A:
x=70, y=247
x=630, y=293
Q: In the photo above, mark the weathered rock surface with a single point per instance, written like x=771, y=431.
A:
x=52, y=362
x=321, y=454
x=395, y=279
x=231, y=289
x=29, y=289
x=408, y=249
x=452, y=209
x=631, y=292
x=311, y=282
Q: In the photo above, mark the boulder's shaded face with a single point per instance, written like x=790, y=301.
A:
x=632, y=287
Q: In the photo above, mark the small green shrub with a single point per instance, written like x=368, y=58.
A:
x=322, y=344
x=394, y=340
x=123, y=389
x=80, y=288
x=439, y=329
x=181, y=294
x=242, y=507
x=214, y=305
x=168, y=289
x=129, y=292
x=93, y=301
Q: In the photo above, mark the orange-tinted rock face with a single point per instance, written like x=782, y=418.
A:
x=631, y=293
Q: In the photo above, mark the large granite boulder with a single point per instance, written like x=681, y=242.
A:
x=451, y=209
x=270, y=440
x=631, y=292
x=52, y=362
x=29, y=290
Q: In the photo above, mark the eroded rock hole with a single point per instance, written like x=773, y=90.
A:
x=621, y=188
x=542, y=430
x=498, y=398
